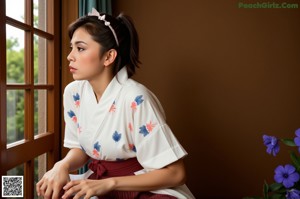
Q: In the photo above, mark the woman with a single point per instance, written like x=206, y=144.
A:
x=113, y=121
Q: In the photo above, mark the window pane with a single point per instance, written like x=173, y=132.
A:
x=15, y=115
x=40, y=111
x=40, y=60
x=15, y=9
x=14, y=54
x=40, y=14
x=40, y=165
x=18, y=171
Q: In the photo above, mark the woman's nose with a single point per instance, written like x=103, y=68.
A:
x=70, y=57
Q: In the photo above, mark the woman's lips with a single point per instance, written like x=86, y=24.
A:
x=72, y=70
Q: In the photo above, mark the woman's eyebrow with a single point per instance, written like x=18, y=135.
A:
x=78, y=42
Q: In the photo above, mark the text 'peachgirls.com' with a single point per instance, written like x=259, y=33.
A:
x=268, y=5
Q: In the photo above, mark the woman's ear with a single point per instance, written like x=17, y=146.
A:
x=110, y=57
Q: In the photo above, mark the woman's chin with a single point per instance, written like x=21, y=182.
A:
x=76, y=77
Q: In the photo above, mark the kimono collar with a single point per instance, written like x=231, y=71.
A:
x=121, y=76
x=114, y=87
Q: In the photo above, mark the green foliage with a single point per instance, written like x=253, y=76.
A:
x=15, y=98
x=15, y=61
x=288, y=142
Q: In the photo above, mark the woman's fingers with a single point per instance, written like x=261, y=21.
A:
x=71, y=188
x=43, y=188
x=38, y=187
x=71, y=184
x=79, y=195
x=56, y=190
x=48, y=193
x=48, y=189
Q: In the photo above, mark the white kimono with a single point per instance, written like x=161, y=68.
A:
x=127, y=122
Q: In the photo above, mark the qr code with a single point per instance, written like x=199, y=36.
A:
x=12, y=186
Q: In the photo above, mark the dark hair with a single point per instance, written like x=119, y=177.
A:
x=128, y=49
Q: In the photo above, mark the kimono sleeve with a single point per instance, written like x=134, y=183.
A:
x=156, y=145
x=71, y=101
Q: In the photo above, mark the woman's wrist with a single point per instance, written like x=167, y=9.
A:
x=63, y=165
x=112, y=183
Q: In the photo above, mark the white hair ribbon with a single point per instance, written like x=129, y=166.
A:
x=106, y=23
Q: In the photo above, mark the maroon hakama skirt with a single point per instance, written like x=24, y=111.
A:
x=106, y=169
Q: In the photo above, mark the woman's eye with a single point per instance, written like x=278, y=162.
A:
x=80, y=49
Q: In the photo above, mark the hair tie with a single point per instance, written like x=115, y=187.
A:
x=106, y=23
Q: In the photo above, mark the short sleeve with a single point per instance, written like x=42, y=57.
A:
x=156, y=145
x=71, y=103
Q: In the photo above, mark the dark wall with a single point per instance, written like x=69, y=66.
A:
x=225, y=77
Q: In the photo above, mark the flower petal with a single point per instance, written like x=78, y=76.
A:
x=287, y=183
x=269, y=150
x=293, y=194
x=278, y=178
x=273, y=140
x=276, y=150
x=297, y=132
x=279, y=170
x=294, y=177
x=266, y=139
x=297, y=141
x=289, y=169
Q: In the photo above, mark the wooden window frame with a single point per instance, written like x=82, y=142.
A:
x=69, y=14
x=25, y=151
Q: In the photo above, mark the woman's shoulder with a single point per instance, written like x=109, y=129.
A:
x=135, y=92
x=134, y=88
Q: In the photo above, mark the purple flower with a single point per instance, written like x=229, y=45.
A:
x=293, y=194
x=297, y=139
x=286, y=175
x=272, y=144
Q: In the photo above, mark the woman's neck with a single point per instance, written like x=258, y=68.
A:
x=99, y=84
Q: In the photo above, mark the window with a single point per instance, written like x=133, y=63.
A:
x=29, y=88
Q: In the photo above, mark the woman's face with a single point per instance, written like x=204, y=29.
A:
x=84, y=58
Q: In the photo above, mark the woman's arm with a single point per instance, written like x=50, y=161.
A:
x=169, y=176
x=51, y=184
x=74, y=159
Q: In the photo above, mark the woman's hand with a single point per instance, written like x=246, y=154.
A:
x=50, y=186
x=88, y=188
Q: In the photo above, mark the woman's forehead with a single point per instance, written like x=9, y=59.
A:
x=82, y=36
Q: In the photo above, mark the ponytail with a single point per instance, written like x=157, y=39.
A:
x=129, y=45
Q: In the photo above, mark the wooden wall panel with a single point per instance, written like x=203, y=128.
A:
x=225, y=77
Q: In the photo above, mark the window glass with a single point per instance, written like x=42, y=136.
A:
x=14, y=55
x=40, y=14
x=16, y=171
x=40, y=60
x=15, y=9
x=15, y=115
x=40, y=111
x=40, y=165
